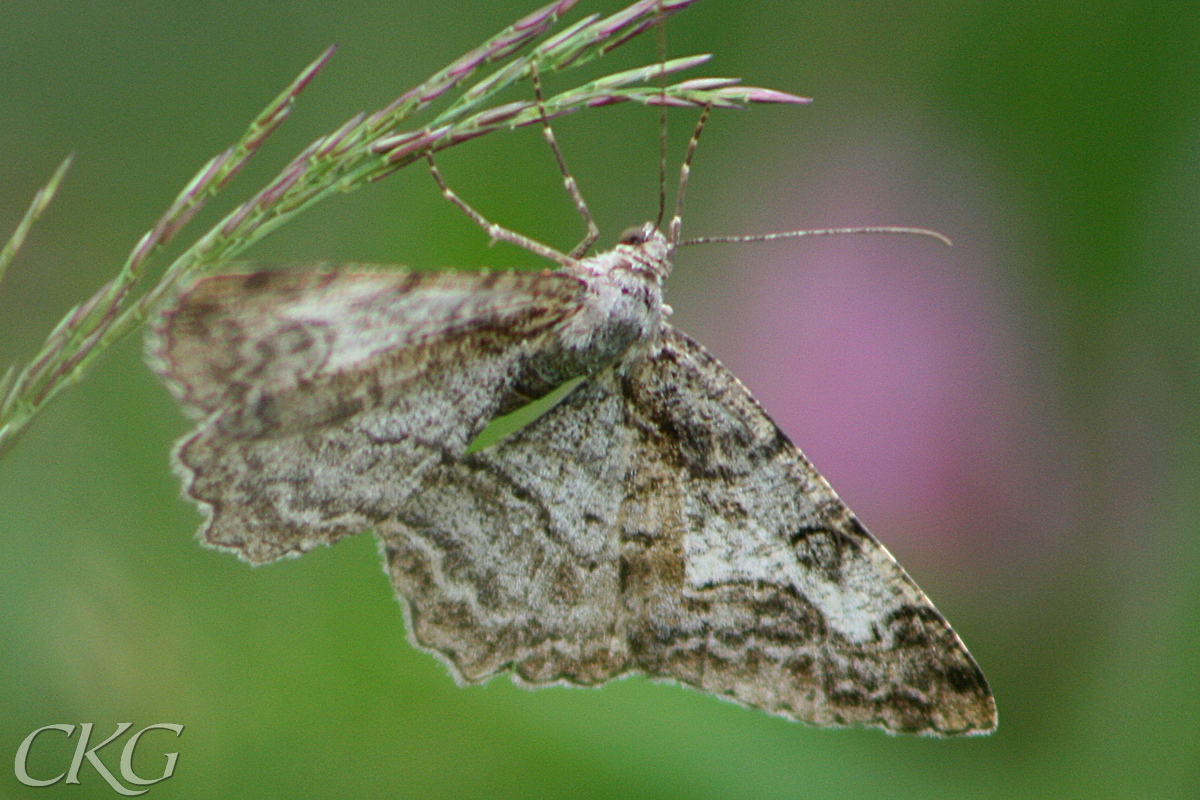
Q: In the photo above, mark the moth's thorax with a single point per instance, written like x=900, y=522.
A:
x=623, y=301
x=642, y=250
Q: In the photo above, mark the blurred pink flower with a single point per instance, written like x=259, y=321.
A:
x=900, y=366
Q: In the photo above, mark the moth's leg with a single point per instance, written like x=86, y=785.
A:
x=593, y=232
x=685, y=170
x=497, y=232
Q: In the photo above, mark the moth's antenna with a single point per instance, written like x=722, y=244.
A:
x=770, y=237
x=660, y=37
x=593, y=232
x=685, y=171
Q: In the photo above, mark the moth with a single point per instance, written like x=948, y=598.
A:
x=655, y=520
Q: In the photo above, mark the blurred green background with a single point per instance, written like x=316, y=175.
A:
x=1016, y=417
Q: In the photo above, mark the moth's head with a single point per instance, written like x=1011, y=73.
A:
x=647, y=250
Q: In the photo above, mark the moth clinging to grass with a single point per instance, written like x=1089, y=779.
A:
x=654, y=520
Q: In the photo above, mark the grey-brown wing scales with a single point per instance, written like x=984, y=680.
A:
x=509, y=558
x=324, y=397
x=658, y=520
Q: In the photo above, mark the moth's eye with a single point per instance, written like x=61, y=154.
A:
x=634, y=235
